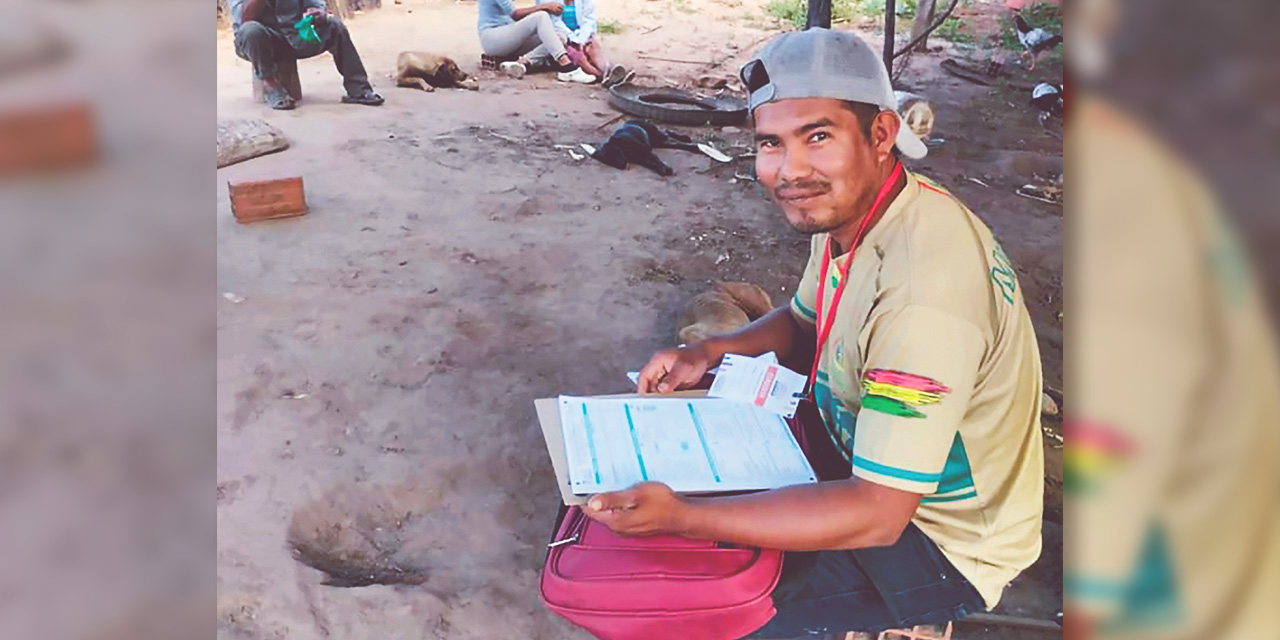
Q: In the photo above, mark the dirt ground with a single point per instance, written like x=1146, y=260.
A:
x=380, y=471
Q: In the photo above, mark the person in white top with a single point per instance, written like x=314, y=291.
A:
x=578, y=25
x=530, y=34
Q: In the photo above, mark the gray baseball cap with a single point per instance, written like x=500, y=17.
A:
x=821, y=63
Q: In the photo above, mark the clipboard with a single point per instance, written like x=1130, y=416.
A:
x=548, y=410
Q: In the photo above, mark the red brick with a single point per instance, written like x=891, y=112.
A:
x=47, y=139
x=267, y=199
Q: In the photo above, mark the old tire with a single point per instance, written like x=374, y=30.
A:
x=676, y=106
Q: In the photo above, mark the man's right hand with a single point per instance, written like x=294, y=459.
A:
x=553, y=8
x=674, y=369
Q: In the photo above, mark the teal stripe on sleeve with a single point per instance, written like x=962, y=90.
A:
x=895, y=472
x=1087, y=588
x=955, y=498
x=808, y=313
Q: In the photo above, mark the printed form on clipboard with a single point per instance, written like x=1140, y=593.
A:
x=693, y=445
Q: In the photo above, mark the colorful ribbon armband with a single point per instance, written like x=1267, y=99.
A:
x=898, y=394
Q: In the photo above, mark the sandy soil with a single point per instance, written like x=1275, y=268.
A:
x=380, y=471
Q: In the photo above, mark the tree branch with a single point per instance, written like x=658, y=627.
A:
x=925, y=34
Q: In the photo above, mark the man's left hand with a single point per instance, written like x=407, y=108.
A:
x=314, y=11
x=648, y=509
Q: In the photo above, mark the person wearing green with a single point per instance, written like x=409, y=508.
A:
x=269, y=32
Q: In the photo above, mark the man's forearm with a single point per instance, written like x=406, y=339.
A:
x=844, y=514
x=776, y=331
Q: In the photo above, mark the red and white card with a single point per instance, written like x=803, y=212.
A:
x=759, y=381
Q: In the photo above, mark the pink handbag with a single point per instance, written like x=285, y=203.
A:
x=665, y=587
x=621, y=588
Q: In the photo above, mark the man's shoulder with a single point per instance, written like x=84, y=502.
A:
x=935, y=209
x=934, y=232
x=935, y=253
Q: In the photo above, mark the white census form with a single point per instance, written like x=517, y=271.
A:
x=694, y=445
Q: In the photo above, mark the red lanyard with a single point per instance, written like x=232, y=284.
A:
x=844, y=272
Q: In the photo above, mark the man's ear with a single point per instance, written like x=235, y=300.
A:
x=884, y=133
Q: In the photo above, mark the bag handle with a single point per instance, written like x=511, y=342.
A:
x=555, y=531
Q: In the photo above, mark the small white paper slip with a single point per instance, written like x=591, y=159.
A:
x=759, y=381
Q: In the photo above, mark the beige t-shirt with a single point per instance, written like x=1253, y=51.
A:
x=1173, y=443
x=930, y=380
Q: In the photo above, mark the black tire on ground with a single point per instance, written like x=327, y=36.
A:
x=676, y=106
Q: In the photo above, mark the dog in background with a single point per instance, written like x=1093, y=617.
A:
x=429, y=71
x=727, y=306
x=634, y=142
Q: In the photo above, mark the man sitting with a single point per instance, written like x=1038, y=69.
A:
x=927, y=376
x=266, y=35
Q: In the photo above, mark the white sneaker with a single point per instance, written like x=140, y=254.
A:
x=577, y=75
x=512, y=69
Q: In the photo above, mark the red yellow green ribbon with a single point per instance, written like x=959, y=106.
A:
x=897, y=393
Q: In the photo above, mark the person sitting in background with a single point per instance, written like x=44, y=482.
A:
x=577, y=23
x=266, y=35
x=529, y=33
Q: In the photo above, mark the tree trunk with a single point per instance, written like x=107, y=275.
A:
x=819, y=14
x=925, y=10
x=890, y=30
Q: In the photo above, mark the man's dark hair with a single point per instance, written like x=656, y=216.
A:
x=866, y=112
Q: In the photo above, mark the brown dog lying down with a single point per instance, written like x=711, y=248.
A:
x=724, y=308
x=427, y=71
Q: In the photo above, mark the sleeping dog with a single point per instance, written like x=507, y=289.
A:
x=634, y=142
x=428, y=71
x=726, y=307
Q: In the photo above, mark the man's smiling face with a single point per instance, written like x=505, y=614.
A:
x=815, y=158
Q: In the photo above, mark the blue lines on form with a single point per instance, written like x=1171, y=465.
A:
x=697, y=424
x=635, y=441
x=591, y=443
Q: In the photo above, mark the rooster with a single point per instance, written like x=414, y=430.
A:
x=1035, y=41
x=1047, y=99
